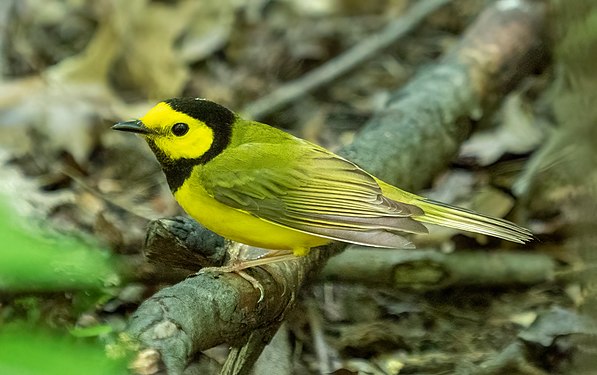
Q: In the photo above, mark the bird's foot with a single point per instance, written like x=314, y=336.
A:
x=238, y=266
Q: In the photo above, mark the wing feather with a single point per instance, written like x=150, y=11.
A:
x=310, y=190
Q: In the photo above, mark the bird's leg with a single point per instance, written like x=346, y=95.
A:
x=234, y=260
x=237, y=265
x=273, y=256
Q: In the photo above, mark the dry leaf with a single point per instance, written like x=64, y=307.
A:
x=556, y=323
x=63, y=104
x=211, y=27
x=519, y=132
x=153, y=64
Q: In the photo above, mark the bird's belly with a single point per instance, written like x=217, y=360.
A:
x=241, y=226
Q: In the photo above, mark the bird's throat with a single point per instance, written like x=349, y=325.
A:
x=176, y=171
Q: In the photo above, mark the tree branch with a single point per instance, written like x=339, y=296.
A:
x=427, y=269
x=424, y=123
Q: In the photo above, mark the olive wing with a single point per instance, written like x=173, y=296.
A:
x=307, y=188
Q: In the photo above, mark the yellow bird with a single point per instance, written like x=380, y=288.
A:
x=258, y=185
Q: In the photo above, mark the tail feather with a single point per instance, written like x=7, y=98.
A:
x=463, y=219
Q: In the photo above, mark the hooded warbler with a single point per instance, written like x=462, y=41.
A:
x=258, y=185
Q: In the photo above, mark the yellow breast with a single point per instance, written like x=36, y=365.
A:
x=241, y=226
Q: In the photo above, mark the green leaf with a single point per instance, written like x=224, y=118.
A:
x=28, y=352
x=36, y=260
x=93, y=331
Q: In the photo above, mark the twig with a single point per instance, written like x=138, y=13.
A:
x=277, y=356
x=241, y=359
x=343, y=63
x=321, y=348
x=5, y=14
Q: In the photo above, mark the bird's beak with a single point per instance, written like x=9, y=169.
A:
x=133, y=126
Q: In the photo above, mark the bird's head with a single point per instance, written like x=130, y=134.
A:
x=190, y=129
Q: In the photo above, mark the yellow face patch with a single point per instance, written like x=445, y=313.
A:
x=161, y=118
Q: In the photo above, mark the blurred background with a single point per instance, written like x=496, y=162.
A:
x=75, y=197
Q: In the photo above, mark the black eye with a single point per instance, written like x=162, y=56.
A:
x=179, y=129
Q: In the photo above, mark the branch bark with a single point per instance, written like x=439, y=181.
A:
x=424, y=123
x=411, y=140
x=428, y=269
